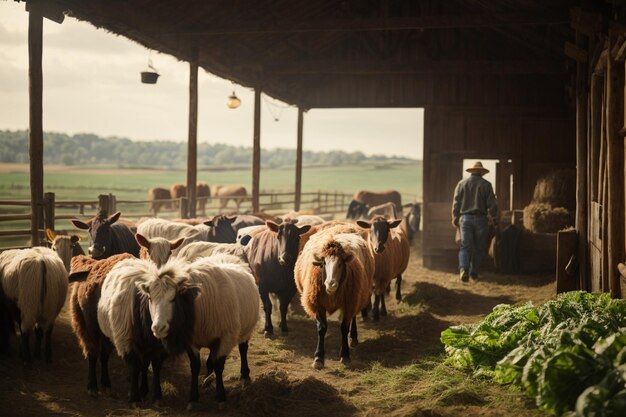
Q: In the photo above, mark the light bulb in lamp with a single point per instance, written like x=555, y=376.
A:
x=233, y=101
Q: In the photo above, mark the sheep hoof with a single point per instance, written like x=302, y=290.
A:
x=245, y=382
x=221, y=405
x=345, y=360
x=268, y=334
x=318, y=364
x=191, y=406
x=93, y=393
x=284, y=333
x=354, y=342
x=156, y=403
x=133, y=404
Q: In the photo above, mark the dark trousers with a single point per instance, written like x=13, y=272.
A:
x=474, y=229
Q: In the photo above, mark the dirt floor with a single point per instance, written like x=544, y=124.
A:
x=396, y=369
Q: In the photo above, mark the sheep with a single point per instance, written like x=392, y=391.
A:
x=391, y=250
x=387, y=210
x=33, y=288
x=334, y=272
x=65, y=246
x=124, y=318
x=246, y=233
x=157, y=249
x=88, y=275
x=197, y=250
x=107, y=236
x=223, y=315
x=152, y=228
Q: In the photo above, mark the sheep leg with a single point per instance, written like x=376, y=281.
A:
x=194, y=365
x=25, y=348
x=354, y=333
x=267, y=309
x=220, y=391
x=344, y=353
x=134, y=366
x=48, y=345
x=383, y=307
x=210, y=367
x=38, y=338
x=376, y=308
x=143, y=383
x=322, y=325
x=284, y=306
x=105, y=352
x=399, y=287
x=157, y=363
x=244, y=375
x=92, y=379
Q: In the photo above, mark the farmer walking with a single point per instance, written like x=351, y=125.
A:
x=474, y=201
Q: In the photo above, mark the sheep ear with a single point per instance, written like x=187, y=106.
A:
x=364, y=224
x=394, y=223
x=81, y=224
x=74, y=238
x=209, y=223
x=318, y=261
x=271, y=225
x=51, y=235
x=348, y=258
x=141, y=239
x=304, y=229
x=175, y=244
x=143, y=287
x=232, y=218
x=115, y=217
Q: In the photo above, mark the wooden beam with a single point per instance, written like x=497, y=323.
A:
x=416, y=67
x=582, y=95
x=575, y=52
x=256, y=151
x=298, y=190
x=543, y=18
x=35, y=134
x=192, y=143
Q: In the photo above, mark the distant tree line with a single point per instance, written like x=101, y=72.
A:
x=89, y=149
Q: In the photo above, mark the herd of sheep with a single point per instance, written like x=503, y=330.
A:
x=165, y=288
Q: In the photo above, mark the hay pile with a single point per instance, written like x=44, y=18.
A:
x=554, y=203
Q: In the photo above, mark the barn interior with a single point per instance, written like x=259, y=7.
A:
x=535, y=85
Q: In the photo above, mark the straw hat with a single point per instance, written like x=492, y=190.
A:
x=478, y=168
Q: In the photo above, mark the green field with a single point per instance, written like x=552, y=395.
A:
x=81, y=183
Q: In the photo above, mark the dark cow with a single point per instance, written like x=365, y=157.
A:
x=368, y=199
x=154, y=195
x=272, y=255
x=106, y=237
x=221, y=229
x=245, y=220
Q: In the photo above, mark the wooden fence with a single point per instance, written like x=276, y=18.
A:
x=15, y=229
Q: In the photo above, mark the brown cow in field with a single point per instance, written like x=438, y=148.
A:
x=202, y=190
x=158, y=193
x=363, y=200
x=177, y=191
x=229, y=192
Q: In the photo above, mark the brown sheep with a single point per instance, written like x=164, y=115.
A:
x=391, y=250
x=65, y=246
x=237, y=193
x=363, y=200
x=334, y=273
x=202, y=191
x=84, y=314
x=154, y=195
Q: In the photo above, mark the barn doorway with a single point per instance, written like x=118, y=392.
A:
x=500, y=176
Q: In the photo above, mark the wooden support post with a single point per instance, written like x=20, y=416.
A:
x=184, y=207
x=35, y=136
x=256, y=151
x=103, y=203
x=615, y=165
x=48, y=201
x=581, y=165
x=192, y=142
x=597, y=84
x=298, y=196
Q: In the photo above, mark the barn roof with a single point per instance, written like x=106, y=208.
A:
x=357, y=53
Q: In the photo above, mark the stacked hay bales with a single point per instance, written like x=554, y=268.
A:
x=554, y=203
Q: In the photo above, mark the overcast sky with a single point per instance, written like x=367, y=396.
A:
x=92, y=85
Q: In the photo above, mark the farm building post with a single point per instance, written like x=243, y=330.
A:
x=35, y=77
x=192, y=145
x=256, y=150
x=298, y=193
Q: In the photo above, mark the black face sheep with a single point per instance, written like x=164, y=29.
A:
x=334, y=273
x=223, y=315
x=33, y=285
x=65, y=246
x=391, y=251
x=124, y=318
x=157, y=249
x=88, y=275
x=107, y=237
x=272, y=255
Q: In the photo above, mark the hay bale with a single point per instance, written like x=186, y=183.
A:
x=558, y=189
x=543, y=218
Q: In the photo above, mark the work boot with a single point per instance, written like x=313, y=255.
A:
x=464, y=275
x=474, y=277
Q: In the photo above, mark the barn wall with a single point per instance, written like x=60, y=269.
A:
x=536, y=145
